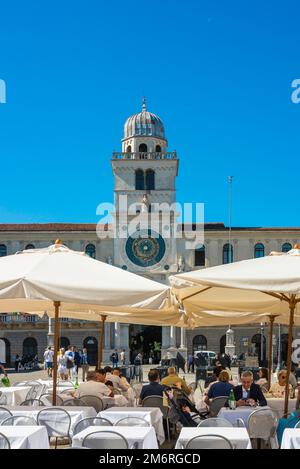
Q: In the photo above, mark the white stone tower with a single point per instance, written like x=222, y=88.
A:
x=145, y=172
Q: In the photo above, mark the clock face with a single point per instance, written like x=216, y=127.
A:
x=145, y=248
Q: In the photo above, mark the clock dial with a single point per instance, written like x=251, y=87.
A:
x=145, y=248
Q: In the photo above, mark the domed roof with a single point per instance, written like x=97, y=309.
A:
x=144, y=123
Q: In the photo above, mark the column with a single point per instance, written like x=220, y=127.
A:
x=50, y=335
x=117, y=329
x=182, y=338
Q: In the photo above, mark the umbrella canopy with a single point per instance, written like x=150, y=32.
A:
x=257, y=286
x=268, y=285
x=65, y=281
x=32, y=280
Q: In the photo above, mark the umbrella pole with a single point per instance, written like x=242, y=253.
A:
x=56, y=306
x=100, y=350
x=270, y=360
x=292, y=305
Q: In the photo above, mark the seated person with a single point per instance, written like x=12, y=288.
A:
x=263, y=375
x=188, y=418
x=248, y=393
x=114, y=378
x=94, y=385
x=174, y=380
x=116, y=372
x=154, y=388
x=214, y=377
x=278, y=389
x=110, y=386
x=290, y=422
x=220, y=388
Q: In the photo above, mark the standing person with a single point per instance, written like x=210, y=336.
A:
x=70, y=361
x=77, y=360
x=62, y=364
x=114, y=358
x=122, y=357
x=48, y=359
x=84, y=364
x=17, y=362
x=138, y=361
x=191, y=363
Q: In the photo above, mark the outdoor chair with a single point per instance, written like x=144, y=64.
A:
x=4, y=413
x=4, y=442
x=215, y=422
x=67, y=391
x=262, y=425
x=22, y=420
x=105, y=440
x=33, y=403
x=3, y=399
x=73, y=402
x=35, y=390
x=47, y=399
x=57, y=422
x=132, y=422
x=297, y=425
x=240, y=423
x=216, y=405
x=137, y=388
x=193, y=385
x=158, y=401
x=90, y=422
x=92, y=401
x=209, y=442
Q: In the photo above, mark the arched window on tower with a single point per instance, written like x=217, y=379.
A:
x=158, y=148
x=139, y=180
x=259, y=250
x=227, y=254
x=143, y=148
x=90, y=250
x=200, y=256
x=150, y=180
x=3, y=250
x=286, y=247
x=128, y=149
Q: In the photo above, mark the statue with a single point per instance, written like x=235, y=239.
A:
x=181, y=264
x=145, y=203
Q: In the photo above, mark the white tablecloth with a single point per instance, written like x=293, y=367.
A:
x=239, y=413
x=291, y=438
x=76, y=413
x=237, y=436
x=15, y=394
x=276, y=405
x=26, y=437
x=145, y=437
x=153, y=415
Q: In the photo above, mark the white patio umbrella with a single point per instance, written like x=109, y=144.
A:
x=268, y=285
x=57, y=279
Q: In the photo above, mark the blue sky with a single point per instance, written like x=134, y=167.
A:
x=218, y=74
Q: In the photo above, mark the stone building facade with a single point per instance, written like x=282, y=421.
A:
x=145, y=174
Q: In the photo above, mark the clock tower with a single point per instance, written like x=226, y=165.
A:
x=144, y=192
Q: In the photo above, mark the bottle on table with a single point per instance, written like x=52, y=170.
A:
x=76, y=384
x=231, y=400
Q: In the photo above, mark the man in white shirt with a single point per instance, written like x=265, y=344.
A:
x=115, y=379
x=48, y=359
x=93, y=386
